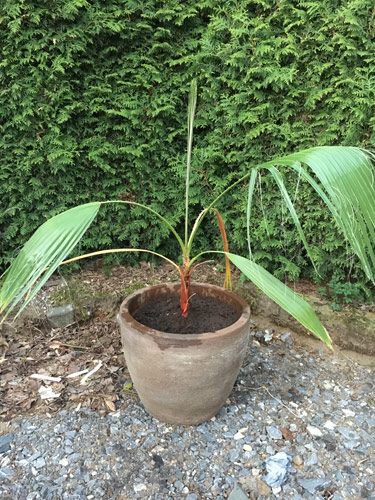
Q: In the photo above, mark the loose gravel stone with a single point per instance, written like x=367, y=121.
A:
x=348, y=433
x=314, y=431
x=313, y=485
x=316, y=410
x=5, y=442
x=5, y=472
x=297, y=460
x=238, y=494
x=277, y=469
x=274, y=432
x=312, y=460
x=39, y=463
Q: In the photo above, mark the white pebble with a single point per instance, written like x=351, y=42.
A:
x=348, y=413
x=140, y=487
x=247, y=447
x=238, y=435
x=268, y=337
x=314, y=431
x=329, y=425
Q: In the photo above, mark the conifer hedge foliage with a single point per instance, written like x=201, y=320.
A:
x=93, y=100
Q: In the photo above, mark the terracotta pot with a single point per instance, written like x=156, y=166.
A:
x=183, y=378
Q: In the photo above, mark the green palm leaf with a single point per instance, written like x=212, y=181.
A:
x=43, y=253
x=50, y=245
x=190, y=125
x=282, y=295
x=288, y=202
x=347, y=187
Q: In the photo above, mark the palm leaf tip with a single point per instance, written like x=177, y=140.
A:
x=347, y=186
x=282, y=295
x=43, y=253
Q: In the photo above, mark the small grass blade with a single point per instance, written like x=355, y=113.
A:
x=252, y=180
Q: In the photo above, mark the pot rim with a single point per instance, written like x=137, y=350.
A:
x=237, y=325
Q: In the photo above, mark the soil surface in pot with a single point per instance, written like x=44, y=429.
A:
x=206, y=314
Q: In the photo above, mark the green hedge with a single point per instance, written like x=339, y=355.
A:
x=93, y=100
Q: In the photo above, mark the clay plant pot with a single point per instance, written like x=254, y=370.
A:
x=183, y=378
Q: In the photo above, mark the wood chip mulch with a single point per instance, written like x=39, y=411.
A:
x=59, y=353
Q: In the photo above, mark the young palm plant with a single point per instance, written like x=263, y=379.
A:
x=343, y=178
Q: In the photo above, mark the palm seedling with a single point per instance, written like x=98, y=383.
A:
x=342, y=177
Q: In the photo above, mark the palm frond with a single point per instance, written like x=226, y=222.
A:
x=190, y=125
x=288, y=202
x=282, y=295
x=43, y=253
x=347, y=187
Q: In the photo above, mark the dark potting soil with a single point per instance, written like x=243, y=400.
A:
x=206, y=314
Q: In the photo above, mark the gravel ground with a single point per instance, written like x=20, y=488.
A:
x=306, y=418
